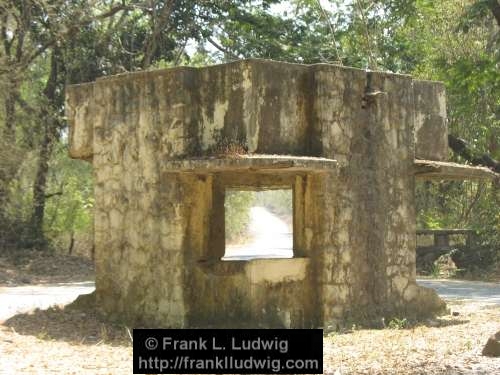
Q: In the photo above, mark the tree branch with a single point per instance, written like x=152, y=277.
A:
x=461, y=148
x=24, y=105
x=494, y=6
x=465, y=216
x=6, y=43
x=151, y=44
x=50, y=195
x=222, y=49
x=29, y=58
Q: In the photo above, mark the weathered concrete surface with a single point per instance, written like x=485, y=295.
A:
x=233, y=101
x=431, y=130
x=438, y=170
x=159, y=226
x=80, y=112
x=251, y=162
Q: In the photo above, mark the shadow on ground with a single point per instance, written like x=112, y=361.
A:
x=28, y=266
x=69, y=325
x=403, y=325
x=84, y=327
x=442, y=322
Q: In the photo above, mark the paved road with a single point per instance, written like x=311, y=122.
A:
x=474, y=291
x=269, y=237
x=21, y=299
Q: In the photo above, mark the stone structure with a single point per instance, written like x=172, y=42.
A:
x=344, y=139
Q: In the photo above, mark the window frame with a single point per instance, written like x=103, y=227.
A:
x=255, y=181
x=289, y=188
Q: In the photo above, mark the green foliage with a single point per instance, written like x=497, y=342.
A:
x=238, y=203
x=435, y=271
x=69, y=198
x=70, y=209
x=468, y=205
x=397, y=323
x=455, y=41
x=466, y=59
x=15, y=193
x=278, y=201
x=237, y=206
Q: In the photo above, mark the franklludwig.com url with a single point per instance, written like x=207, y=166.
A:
x=225, y=362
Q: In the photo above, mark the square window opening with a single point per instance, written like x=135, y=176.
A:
x=258, y=224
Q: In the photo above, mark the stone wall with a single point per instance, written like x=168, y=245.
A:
x=158, y=229
x=237, y=101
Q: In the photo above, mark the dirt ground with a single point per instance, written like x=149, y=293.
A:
x=18, y=267
x=65, y=341
x=70, y=341
x=447, y=345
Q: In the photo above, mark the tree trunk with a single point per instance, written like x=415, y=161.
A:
x=50, y=125
x=494, y=6
x=71, y=242
x=40, y=186
x=9, y=130
x=159, y=23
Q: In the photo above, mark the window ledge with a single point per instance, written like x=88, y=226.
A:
x=251, y=162
x=275, y=270
x=438, y=170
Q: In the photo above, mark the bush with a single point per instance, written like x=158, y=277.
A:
x=237, y=212
x=278, y=201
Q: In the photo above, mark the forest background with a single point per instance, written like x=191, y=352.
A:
x=46, y=198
